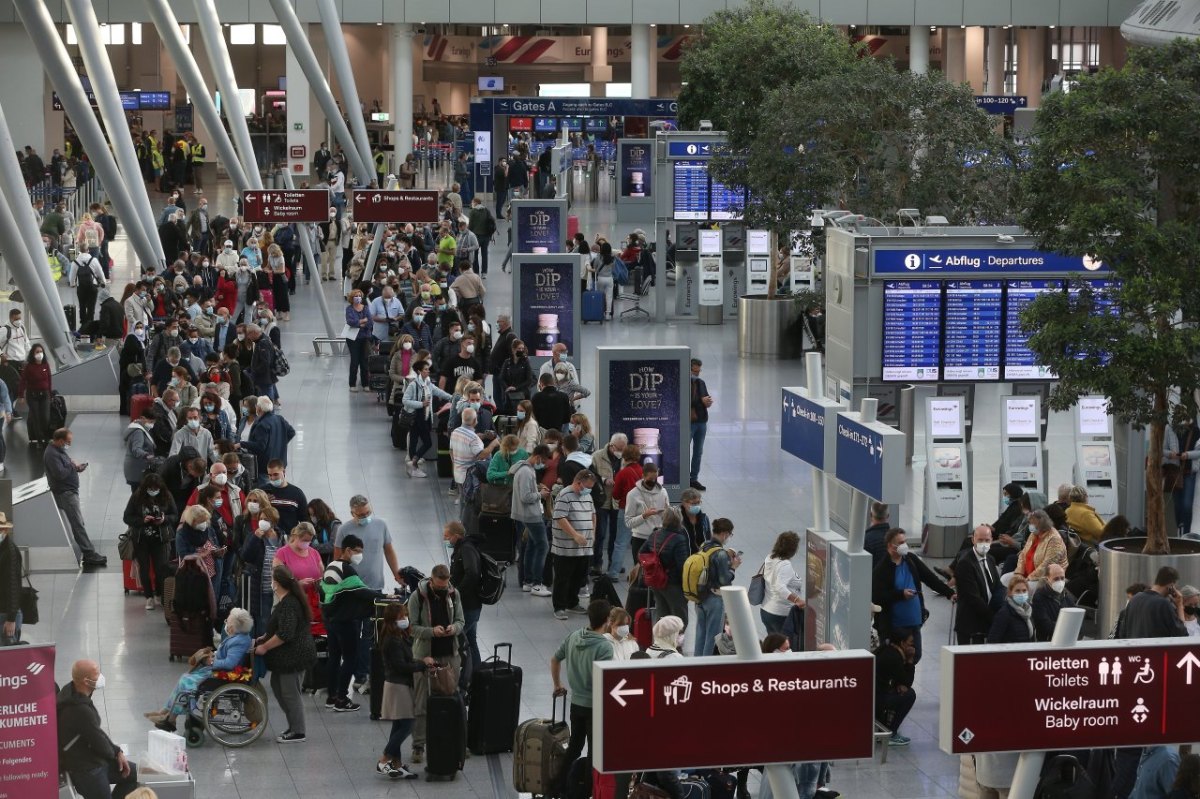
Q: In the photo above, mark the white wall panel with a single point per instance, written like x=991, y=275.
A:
x=609, y=12
x=694, y=11
x=664, y=12
x=1029, y=13
x=988, y=12
x=890, y=12
x=518, y=12
x=563, y=12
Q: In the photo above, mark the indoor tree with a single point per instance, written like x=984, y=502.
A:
x=1113, y=173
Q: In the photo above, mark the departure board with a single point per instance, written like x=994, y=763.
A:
x=691, y=190
x=726, y=203
x=1103, y=304
x=974, y=321
x=912, y=330
x=1019, y=361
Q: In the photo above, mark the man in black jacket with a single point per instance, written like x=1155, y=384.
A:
x=873, y=538
x=466, y=571
x=10, y=586
x=976, y=579
x=182, y=472
x=551, y=407
x=501, y=352
x=165, y=421
x=896, y=587
x=89, y=756
x=1158, y=611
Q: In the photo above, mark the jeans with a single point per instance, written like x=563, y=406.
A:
x=358, y=359
x=710, y=617
x=699, y=431
x=806, y=776
x=68, y=503
x=343, y=655
x=772, y=622
x=536, y=548
x=891, y=708
x=401, y=729
x=286, y=688
x=620, y=550
x=470, y=630
x=606, y=533
x=570, y=574
x=16, y=636
x=104, y=782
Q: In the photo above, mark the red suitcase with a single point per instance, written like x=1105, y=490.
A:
x=572, y=226
x=133, y=577
x=139, y=403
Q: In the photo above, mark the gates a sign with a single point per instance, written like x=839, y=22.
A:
x=1029, y=697
x=284, y=206
x=28, y=722
x=668, y=714
x=406, y=205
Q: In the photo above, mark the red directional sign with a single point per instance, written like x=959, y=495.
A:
x=396, y=205
x=1102, y=694
x=667, y=714
x=283, y=206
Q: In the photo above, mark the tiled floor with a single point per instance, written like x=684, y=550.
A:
x=342, y=448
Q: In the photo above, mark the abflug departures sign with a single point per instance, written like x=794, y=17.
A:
x=28, y=723
x=668, y=714
x=1095, y=694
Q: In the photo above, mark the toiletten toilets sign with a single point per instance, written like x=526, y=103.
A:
x=645, y=393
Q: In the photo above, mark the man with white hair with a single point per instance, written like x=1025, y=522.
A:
x=558, y=357
x=269, y=437
x=466, y=447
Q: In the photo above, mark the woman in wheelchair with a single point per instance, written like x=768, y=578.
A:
x=231, y=654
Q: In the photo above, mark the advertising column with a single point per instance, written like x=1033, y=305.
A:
x=28, y=723
x=539, y=226
x=635, y=182
x=546, y=304
x=644, y=393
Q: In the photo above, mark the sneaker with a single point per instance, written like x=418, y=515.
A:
x=290, y=737
x=541, y=590
x=419, y=472
x=330, y=702
x=386, y=768
x=898, y=740
x=345, y=706
x=586, y=591
x=526, y=587
x=353, y=389
x=561, y=615
x=580, y=609
x=418, y=755
x=403, y=772
x=150, y=604
x=696, y=484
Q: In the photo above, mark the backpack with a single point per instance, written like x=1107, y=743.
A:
x=85, y=276
x=1064, y=778
x=620, y=272
x=491, y=579
x=279, y=364
x=191, y=591
x=654, y=573
x=696, y=572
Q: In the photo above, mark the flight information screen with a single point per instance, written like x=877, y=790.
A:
x=727, y=203
x=974, y=322
x=1103, y=303
x=1019, y=361
x=912, y=330
x=691, y=190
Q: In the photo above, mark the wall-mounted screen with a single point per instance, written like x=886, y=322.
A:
x=710, y=242
x=491, y=84
x=974, y=317
x=690, y=190
x=1095, y=456
x=912, y=330
x=759, y=266
x=155, y=101
x=1019, y=360
x=1022, y=456
x=726, y=203
x=758, y=242
x=1021, y=417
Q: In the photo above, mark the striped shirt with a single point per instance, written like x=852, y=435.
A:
x=465, y=447
x=580, y=512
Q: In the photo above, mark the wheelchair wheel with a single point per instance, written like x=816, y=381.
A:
x=193, y=735
x=235, y=714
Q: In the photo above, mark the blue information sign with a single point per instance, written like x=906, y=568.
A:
x=689, y=149
x=870, y=458
x=802, y=429
x=579, y=106
x=962, y=261
x=1001, y=103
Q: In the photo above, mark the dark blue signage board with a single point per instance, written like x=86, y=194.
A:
x=637, y=169
x=870, y=458
x=690, y=149
x=1001, y=104
x=539, y=226
x=959, y=262
x=581, y=106
x=807, y=428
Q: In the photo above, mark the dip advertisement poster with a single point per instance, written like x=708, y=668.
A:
x=548, y=310
x=538, y=228
x=637, y=169
x=643, y=403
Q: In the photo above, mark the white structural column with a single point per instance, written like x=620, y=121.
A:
x=918, y=49
x=299, y=134
x=599, y=72
x=339, y=57
x=1031, y=64
x=974, y=58
x=640, y=58
x=21, y=85
x=402, y=91
x=653, y=60
x=218, y=57
x=954, y=54
x=997, y=43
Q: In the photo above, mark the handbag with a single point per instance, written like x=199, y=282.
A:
x=125, y=545
x=495, y=499
x=644, y=790
x=29, y=606
x=442, y=682
x=349, y=333
x=757, y=593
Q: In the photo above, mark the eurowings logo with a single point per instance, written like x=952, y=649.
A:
x=520, y=49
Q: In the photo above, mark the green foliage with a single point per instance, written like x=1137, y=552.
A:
x=1114, y=174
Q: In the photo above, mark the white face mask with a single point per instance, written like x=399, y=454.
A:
x=1059, y=586
x=623, y=631
x=470, y=349
x=902, y=550
x=982, y=549
x=253, y=507
x=264, y=525
x=356, y=558
x=407, y=345
x=220, y=479
x=100, y=682
x=39, y=357
x=402, y=624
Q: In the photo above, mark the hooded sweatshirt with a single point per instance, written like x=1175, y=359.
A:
x=638, y=501
x=526, y=499
x=84, y=744
x=579, y=651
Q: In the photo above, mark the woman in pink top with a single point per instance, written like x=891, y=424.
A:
x=300, y=557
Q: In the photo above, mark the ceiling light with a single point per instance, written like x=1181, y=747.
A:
x=653, y=25
x=1052, y=27
x=687, y=26
x=933, y=28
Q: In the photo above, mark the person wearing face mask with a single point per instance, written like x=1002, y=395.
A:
x=620, y=635
x=269, y=436
x=96, y=765
x=166, y=421
x=357, y=334
x=261, y=541
x=1043, y=546
x=528, y=512
x=227, y=257
x=161, y=345
x=232, y=499
x=14, y=341
x=418, y=401
x=131, y=367
x=645, y=504
x=516, y=375
x=35, y=386
x=977, y=581
x=10, y=586
x=140, y=451
x=399, y=669
x=437, y=621
x=721, y=565
x=346, y=601
x=895, y=672
x=213, y=418
x=1014, y=620
x=671, y=545
x=896, y=587
x=1053, y=596
x=418, y=329
x=399, y=367
x=695, y=520
x=286, y=498
x=386, y=313
x=289, y=649
x=193, y=435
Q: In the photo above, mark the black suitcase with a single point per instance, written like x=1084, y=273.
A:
x=316, y=678
x=72, y=317
x=445, y=737
x=445, y=468
x=495, y=704
x=375, y=680
x=58, y=411
x=399, y=432
x=579, y=779
x=499, y=537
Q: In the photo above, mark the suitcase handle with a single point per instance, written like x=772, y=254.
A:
x=499, y=660
x=554, y=711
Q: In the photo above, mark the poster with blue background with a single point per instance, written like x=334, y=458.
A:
x=538, y=227
x=637, y=169
x=547, y=293
x=643, y=403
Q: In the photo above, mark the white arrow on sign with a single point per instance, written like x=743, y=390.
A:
x=1187, y=662
x=618, y=694
x=251, y=198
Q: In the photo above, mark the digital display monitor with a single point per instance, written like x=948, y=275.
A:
x=758, y=242
x=710, y=242
x=130, y=101
x=380, y=116
x=573, y=124
x=1022, y=456
x=726, y=203
x=974, y=318
x=596, y=124
x=1095, y=456
x=1021, y=417
x=1104, y=305
x=545, y=125
x=155, y=101
x=1093, y=417
x=1019, y=361
x=912, y=330
x=947, y=457
x=759, y=266
x=491, y=84
x=690, y=180
x=520, y=123
x=945, y=418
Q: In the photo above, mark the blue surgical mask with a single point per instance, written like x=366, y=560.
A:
x=694, y=509
x=365, y=520
x=275, y=483
x=539, y=466
x=476, y=405
x=245, y=412
x=521, y=414
x=1033, y=529
x=1020, y=599
x=1005, y=501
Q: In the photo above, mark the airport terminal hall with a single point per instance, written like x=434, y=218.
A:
x=563, y=399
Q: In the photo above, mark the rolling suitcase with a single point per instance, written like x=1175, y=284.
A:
x=499, y=537
x=316, y=678
x=540, y=753
x=72, y=317
x=58, y=410
x=579, y=779
x=377, y=375
x=593, y=307
x=445, y=468
x=445, y=737
x=495, y=704
x=399, y=432
x=139, y=403
x=132, y=577
x=189, y=631
x=643, y=628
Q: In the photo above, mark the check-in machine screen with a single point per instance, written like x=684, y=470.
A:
x=1022, y=456
x=1096, y=456
x=948, y=457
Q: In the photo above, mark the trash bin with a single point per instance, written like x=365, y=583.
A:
x=711, y=314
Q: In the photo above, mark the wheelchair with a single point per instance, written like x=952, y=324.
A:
x=232, y=713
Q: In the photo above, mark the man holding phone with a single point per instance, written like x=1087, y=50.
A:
x=710, y=609
x=1158, y=611
x=62, y=474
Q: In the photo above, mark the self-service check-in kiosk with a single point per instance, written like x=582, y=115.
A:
x=1022, y=456
x=1095, y=455
x=687, y=269
x=758, y=261
x=712, y=296
x=802, y=277
x=947, y=517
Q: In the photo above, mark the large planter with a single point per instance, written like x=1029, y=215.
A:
x=769, y=327
x=1122, y=564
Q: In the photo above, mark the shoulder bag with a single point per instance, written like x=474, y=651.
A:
x=757, y=593
x=29, y=603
